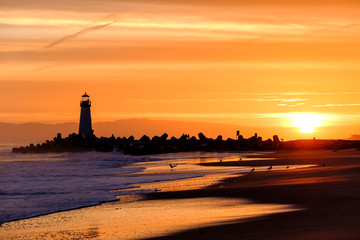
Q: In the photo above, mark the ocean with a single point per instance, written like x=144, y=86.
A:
x=37, y=184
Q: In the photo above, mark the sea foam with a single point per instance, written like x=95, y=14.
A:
x=34, y=184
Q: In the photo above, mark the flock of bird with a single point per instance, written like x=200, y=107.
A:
x=221, y=160
x=253, y=169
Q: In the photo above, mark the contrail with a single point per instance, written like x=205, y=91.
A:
x=38, y=68
x=75, y=35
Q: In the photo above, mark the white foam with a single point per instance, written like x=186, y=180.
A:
x=33, y=184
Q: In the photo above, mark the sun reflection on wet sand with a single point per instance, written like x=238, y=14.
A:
x=138, y=219
x=189, y=174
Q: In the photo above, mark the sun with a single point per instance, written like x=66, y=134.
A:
x=306, y=122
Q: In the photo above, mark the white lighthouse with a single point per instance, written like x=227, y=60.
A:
x=85, y=127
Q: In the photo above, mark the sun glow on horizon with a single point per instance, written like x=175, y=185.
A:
x=307, y=122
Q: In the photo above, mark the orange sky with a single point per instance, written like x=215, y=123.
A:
x=253, y=63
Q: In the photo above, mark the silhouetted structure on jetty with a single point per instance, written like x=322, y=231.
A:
x=162, y=144
x=85, y=127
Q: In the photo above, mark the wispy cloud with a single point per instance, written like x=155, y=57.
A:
x=280, y=94
x=78, y=34
x=282, y=100
x=256, y=100
x=212, y=100
x=296, y=105
x=314, y=93
x=290, y=105
x=39, y=68
x=338, y=105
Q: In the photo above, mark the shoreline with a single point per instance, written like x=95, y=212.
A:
x=55, y=212
x=311, y=189
x=132, y=187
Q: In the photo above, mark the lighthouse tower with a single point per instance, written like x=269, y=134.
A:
x=85, y=127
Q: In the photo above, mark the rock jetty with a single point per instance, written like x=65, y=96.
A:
x=163, y=144
x=146, y=145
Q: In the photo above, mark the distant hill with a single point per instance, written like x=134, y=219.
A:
x=139, y=127
x=27, y=133
x=354, y=137
x=39, y=132
x=33, y=132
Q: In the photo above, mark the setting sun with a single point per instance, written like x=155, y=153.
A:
x=307, y=122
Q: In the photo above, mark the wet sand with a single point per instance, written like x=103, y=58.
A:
x=321, y=202
x=329, y=194
x=137, y=219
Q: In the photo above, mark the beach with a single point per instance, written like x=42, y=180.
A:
x=321, y=201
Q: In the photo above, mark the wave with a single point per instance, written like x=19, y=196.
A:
x=36, y=184
x=33, y=184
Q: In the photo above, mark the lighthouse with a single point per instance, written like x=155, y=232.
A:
x=85, y=127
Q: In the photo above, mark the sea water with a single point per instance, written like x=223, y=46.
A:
x=36, y=184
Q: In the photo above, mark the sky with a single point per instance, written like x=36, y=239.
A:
x=252, y=63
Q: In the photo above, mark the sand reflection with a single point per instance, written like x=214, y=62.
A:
x=138, y=219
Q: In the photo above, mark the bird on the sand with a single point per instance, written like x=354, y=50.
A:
x=220, y=160
x=252, y=170
x=287, y=167
x=240, y=159
x=172, y=166
x=270, y=168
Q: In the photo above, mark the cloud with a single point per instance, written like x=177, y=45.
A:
x=273, y=3
x=296, y=105
x=277, y=94
x=305, y=93
x=256, y=100
x=39, y=68
x=78, y=34
x=281, y=100
x=288, y=105
x=95, y=6
x=338, y=105
x=212, y=100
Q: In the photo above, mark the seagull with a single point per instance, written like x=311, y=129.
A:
x=220, y=160
x=270, y=168
x=172, y=166
x=287, y=167
x=240, y=159
x=252, y=170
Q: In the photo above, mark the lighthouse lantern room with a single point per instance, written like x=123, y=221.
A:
x=85, y=127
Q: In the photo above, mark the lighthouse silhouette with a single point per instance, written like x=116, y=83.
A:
x=85, y=127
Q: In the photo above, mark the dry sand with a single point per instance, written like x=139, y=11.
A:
x=321, y=202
